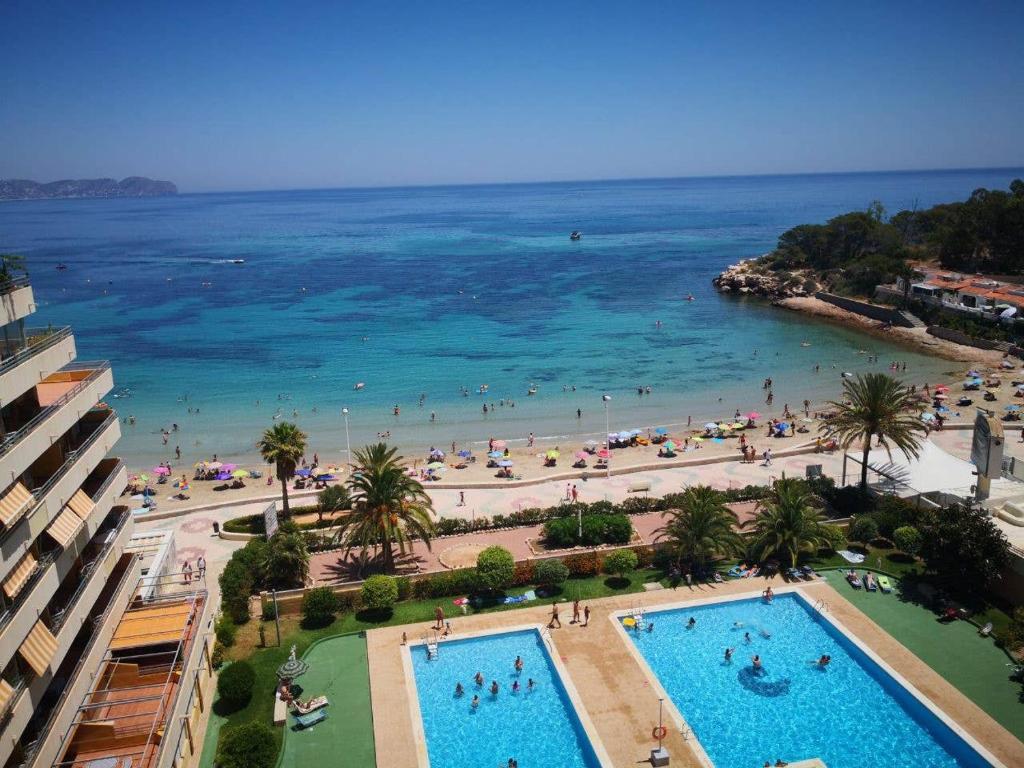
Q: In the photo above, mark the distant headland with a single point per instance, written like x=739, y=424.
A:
x=133, y=186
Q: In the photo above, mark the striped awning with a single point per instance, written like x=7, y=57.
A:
x=81, y=504
x=39, y=648
x=6, y=694
x=65, y=527
x=14, y=502
x=20, y=575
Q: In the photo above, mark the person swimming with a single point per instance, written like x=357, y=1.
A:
x=691, y=623
x=728, y=655
x=824, y=661
x=458, y=689
x=756, y=662
x=476, y=701
x=530, y=684
x=478, y=678
x=494, y=688
x=746, y=637
x=519, y=664
x=515, y=686
x=768, y=595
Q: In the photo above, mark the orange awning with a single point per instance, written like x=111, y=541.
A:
x=14, y=503
x=39, y=648
x=81, y=504
x=6, y=694
x=20, y=575
x=65, y=527
x=149, y=626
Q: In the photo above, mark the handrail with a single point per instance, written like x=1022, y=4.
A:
x=47, y=338
x=33, y=749
x=72, y=458
x=85, y=575
x=12, y=439
x=13, y=283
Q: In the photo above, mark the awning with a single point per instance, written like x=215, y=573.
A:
x=14, y=503
x=81, y=504
x=6, y=694
x=152, y=625
x=65, y=527
x=20, y=575
x=39, y=648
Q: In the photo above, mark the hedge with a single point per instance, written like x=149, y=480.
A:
x=596, y=529
x=256, y=524
x=319, y=605
x=235, y=684
x=379, y=592
x=251, y=745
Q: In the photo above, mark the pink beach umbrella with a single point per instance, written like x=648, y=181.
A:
x=753, y=415
x=161, y=471
x=582, y=455
x=229, y=467
x=499, y=443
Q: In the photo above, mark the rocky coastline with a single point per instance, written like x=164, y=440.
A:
x=751, y=278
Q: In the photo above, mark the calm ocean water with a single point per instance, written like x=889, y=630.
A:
x=429, y=290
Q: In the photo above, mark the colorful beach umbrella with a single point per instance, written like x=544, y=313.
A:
x=223, y=476
x=711, y=425
x=229, y=467
x=670, y=446
x=753, y=415
x=144, y=477
x=435, y=465
x=465, y=454
x=214, y=465
x=552, y=454
x=161, y=471
x=302, y=472
x=240, y=473
x=661, y=431
x=604, y=453
x=495, y=454
x=737, y=425
x=582, y=455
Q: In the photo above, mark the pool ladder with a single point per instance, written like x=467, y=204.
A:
x=637, y=613
x=431, y=645
x=821, y=605
x=545, y=635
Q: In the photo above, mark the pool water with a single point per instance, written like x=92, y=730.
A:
x=537, y=728
x=850, y=714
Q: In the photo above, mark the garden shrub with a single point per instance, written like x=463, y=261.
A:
x=638, y=505
x=892, y=512
x=235, y=684
x=620, y=562
x=463, y=580
x=379, y=592
x=864, y=529
x=907, y=539
x=250, y=745
x=217, y=657
x=549, y=573
x=225, y=631
x=495, y=569
x=834, y=536
x=563, y=533
x=319, y=605
x=582, y=564
x=404, y=587
x=236, y=585
x=525, y=574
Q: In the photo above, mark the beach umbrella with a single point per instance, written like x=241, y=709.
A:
x=927, y=417
x=604, y=453
x=942, y=388
x=634, y=432
x=737, y=425
x=495, y=454
x=229, y=467
x=302, y=472
x=784, y=425
x=325, y=477
x=223, y=476
x=941, y=397
x=437, y=453
x=552, y=454
x=292, y=668
x=625, y=435
x=711, y=425
x=214, y=465
x=435, y=465
x=144, y=477
x=161, y=471
x=240, y=473
x=698, y=439
x=753, y=415
x=505, y=463
x=661, y=431
x=670, y=446
x=465, y=454
x=591, y=443
x=499, y=443
x=582, y=455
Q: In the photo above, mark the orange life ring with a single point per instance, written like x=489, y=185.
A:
x=659, y=732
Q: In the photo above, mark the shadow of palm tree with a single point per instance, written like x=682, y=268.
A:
x=356, y=566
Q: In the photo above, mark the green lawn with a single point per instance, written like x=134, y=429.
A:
x=973, y=664
x=265, y=661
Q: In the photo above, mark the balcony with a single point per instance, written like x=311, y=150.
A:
x=50, y=496
x=94, y=611
x=63, y=398
x=27, y=360
x=54, y=565
x=16, y=299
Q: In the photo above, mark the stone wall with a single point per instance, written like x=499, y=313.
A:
x=959, y=337
x=866, y=309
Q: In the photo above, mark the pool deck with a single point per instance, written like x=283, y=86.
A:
x=615, y=690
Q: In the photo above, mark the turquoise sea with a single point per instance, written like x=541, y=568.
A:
x=426, y=291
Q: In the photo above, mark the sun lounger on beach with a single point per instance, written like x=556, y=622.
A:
x=310, y=706
x=884, y=584
x=308, y=721
x=736, y=572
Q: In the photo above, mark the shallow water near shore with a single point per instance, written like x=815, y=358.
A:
x=431, y=290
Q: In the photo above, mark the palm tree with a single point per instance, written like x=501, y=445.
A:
x=788, y=522
x=283, y=445
x=701, y=528
x=387, y=505
x=876, y=406
x=287, y=558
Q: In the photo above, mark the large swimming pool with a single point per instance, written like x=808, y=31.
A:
x=850, y=714
x=536, y=728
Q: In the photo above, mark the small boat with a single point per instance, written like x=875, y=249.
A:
x=532, y=390
x=805, y=343
x=575, y=235
x=238, y=261
x=358, y=386
x=61, y=267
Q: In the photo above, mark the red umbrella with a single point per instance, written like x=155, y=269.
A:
x=603, y=453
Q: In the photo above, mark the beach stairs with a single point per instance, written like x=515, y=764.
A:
x=914, y=320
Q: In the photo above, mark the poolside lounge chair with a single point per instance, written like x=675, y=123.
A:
x=869, y=582
x=310, y=706
x=308, y=721
x=986, y=630
x=884, y=584
x=853, y=579
x=793, y=573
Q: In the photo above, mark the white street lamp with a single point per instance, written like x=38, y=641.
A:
x=348, y=443
x=607, y=430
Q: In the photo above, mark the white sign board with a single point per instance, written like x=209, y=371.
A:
x=270, y=521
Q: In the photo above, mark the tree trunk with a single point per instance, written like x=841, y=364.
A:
x=864, y=464
x=284, y=497
x=389, y=557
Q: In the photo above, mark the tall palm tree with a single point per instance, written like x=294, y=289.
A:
x=283, y=445
x=787, y=523
x=701, y=528
x=387, y=505
x=876, y=406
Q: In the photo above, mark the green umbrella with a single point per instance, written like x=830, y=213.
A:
x=670, y=446
x=292, y=668
x=240, y=473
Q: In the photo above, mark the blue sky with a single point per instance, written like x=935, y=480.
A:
x=263, y=95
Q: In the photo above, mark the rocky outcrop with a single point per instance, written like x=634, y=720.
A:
x=752, y=278
x=133, y=186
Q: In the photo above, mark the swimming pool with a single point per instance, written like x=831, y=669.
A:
x=538, y=728
x=850, y=714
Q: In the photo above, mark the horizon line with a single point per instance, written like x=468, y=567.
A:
x=604, y=180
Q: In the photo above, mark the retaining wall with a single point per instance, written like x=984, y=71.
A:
x=866, y=309
x=962, y=338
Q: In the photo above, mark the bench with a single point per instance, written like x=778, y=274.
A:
x=280, y=711
x=639, y=486
x=308, y=721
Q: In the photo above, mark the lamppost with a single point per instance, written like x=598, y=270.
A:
x=607, y=430
x=348, y=443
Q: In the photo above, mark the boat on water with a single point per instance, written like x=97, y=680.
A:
x=575, y=235
x=358, y=386
x=532, y=390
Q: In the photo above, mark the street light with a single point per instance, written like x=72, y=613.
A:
x=348, y=444
x=607, y=430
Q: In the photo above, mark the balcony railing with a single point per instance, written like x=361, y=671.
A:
x=38, y=340
x=14, y=283
x=111, y=474
x=72, y=458
x=32, y=748
x=59, y=616
x=42, y=563
x=11, y=439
